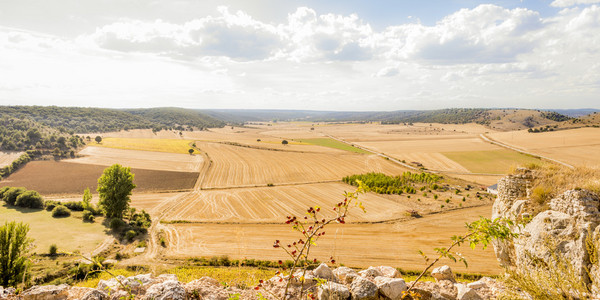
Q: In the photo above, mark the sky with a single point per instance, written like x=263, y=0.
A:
x=344, y=55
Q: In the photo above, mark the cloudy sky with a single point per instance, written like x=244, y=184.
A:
x=292, y=54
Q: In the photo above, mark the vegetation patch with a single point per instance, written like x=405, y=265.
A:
x=492, y=161
x=384, y=184
x=156, y=145
x=331, y=143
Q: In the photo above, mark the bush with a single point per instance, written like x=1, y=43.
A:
x=30, y=199
x=50, y=205
x=61, y=211
x=88, y=216
x=74, y=205
x=10, y=196
x=116, y=223
x=53, y=250
x=2, y=191
x=130, y=234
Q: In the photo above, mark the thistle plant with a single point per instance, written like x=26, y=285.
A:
x=311, y=227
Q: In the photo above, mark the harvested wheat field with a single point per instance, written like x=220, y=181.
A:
x=6, y=158
x=240, y=166
x=358, y=245
x=574, y=146
x=52, y=177
x=140, y=159
x=158, y=145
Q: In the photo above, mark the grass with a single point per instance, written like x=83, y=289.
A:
x=69, y=234
x=331, y=143
x=492, y=161
x=156, y=145
x=243, y=277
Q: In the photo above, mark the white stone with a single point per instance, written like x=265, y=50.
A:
x=477, y=285
x=168, y=290
x=371, y=272
x=139, y=250
x=345, y=274
x=333, y=291
x=392, y=288
x=388, y=271
x=443, y=273
x=324, y=272
x=466, y=293
x=363, y=289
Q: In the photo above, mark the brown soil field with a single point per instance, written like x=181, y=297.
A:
x=240, y=166
x=574, y=146
x=358, y=245
x=52, y=177
x=139, y=159
x=6, y=158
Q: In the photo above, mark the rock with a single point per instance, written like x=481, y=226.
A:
x=324, y=272
x=119, y=295
x=392, y=288
x=333, y=291
x=6, y=292
x=477, y=285
x=581, y=204
x=363, y=289
x=165, y=277
x=205, y=288
x=111, y=284
x=95, y=295
x=466, y=293
x=370, y=273
x=109, y=262
x=139, y=250
x=76, y=292
x=443, y=289
x=443, y=273
x=388, y=271
x=46, y=292
x=345, y=274
x=167, y=290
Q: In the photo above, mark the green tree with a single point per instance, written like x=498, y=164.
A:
x=14, y=246
x=87, y=197
x=191, y=151
x=284, y=142
x=98, y=139
x=114, y=187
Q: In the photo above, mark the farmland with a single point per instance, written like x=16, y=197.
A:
x=51, y=177
x=162, y=145
x=231, y=195
x=6, y=158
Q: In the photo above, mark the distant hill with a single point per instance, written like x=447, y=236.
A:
x=86, y=120
x=576, y=113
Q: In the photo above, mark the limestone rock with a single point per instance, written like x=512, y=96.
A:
x=205, y=288
x=371, y=272
x=324, y=272
x=333, y=291
x=6, y=292
x=168, y=290
x=477, y=285
x=165, y=277
x=466, y=293
x=111, y=284
x=443, y=273
x=76, y=292
x=392, y=288
x=46, y=292
x=95, y=295
x=345, y=274
x=363, y=289
x=388, y=271
x=581, y=204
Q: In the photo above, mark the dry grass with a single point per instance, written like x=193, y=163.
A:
x=51, y=177
x=69, y=234
x=492, y=161
x=6, y=158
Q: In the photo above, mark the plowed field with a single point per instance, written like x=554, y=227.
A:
x=51, y=177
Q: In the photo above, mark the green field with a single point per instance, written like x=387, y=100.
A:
x=331, y=143
x=69, y=233
x=493, y=161
x=157, y=145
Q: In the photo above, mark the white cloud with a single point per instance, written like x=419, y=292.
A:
x=567, y=3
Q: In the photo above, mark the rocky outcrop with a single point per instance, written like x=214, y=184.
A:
x=559, y=234
x=375, y=283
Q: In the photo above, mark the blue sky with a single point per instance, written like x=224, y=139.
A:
x=325, y=55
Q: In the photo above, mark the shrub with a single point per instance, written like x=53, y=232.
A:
x=284, y=142
x=74, y=205
x=10, y=196
x=88, y=216
x=53, y=250
x=2, y=191
x=50, y=205
x=130, y=234
x=61, y=211
x=30, y=199
x=116, y=223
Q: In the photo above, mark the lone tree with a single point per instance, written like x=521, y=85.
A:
x=284, y=142
x=191, y=151
x=114, y=187
x=98, y=139
x=14, y=246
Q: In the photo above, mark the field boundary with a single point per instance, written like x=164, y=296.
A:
x=490, y=140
